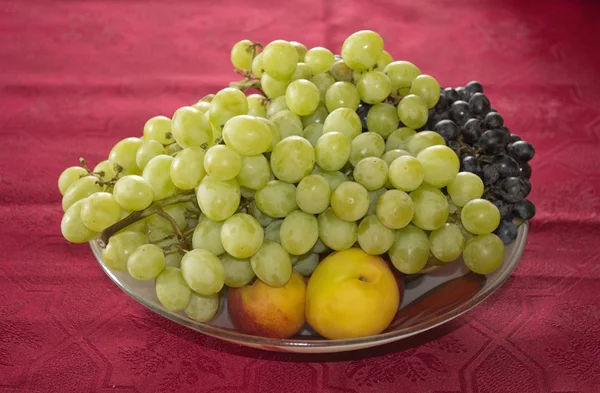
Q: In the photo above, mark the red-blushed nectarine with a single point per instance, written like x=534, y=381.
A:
x=262, y=310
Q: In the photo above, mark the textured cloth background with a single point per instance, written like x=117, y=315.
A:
x=75, y=77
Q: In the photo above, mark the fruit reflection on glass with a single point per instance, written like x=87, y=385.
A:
x=307, y=191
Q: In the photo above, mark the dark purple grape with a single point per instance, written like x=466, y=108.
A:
x=471, y=131
x=459, y=112
x=504, y=208
x=442, y=104
x=507, y=166
x=479, y=105
x=514, y=138
x=525, y=210
x=506, y=231
x=451, y=95
x=454, y=145
x=506, y=132
x=525, y=170
x=472, y=88
x=492, y=141
x=447, y=129
x=527, y=184
x=433, y=120
x=470, y=164
x=513, y=189
x=363, y=111
x=521, y=151
x=493, y=120
x=490, y=175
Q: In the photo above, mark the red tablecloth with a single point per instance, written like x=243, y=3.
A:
x=77, y=76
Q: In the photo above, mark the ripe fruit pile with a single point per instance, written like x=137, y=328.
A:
x=335, y=152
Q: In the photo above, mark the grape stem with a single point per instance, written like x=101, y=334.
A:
x=180, y=237
x=154, y=208
x=99, y=175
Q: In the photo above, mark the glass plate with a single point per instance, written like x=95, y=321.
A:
x=429, y=301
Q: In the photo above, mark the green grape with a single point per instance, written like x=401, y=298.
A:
x=217, y=132
x=257, y=105
x=158, y=173
x=427, y=88
x=483, y=254
x=276, y=105
x=263, y=219
x=190, y=127
x=313, y=132
x=133, y=193
x=187, y=168
x=202, y=308
x=371, y=173
x=465, y=187
x=241, y=54
x=361, y=50
x=99, y=211
x=208, y=98
x=401, y=74
x=299, y=232
x=105, y=170
x=382, y=119
x=228, y=102
x=367, y=144
x=257, y=66
x=279, y=59
x=247, y=192
x=158, y=128
x=203, y=272
x=341, y=72
x=202, y=106
x=313, y=194
x=412, y=111
x=238, y=272
x=222, y=163
x=406, y=173
x=302, y=97
x=447, y=242
x=390, y=155
x=342, y=95
x=318, y=116
x=241, y=235
x=319, y=59
x=336, y=233
x=384, y=60
x=277, y=199
x=332, y=151
x=399, y=138
x=374, y=198
x=272, y=231
x=70, y=176
x=272, y=264
x=394, y=209
x=247, y=135
x=333, y=178
x=177, y=212
x=374, y=87
x=422, y=140
x=440, y=164
x=255, y=172
x=207, y=236
x=292, y=159
x=306, y=264
x=173, y=259
x=72, y=227
x=218, y=200
x=410, y=251
x=147, y=151
x=171, y=289
x=373, y=237
x=274, y=130
x=431, y=207
x=319, y=247
x=120, y=246
x=303, y=71
x=146, y=262
x=323, y=81
x=343, y=120
x=350, y=201
x=123, y=155
x=480, y=216
x=300, y=50
x=272, y=87
x=80, y=189
x=288, y=123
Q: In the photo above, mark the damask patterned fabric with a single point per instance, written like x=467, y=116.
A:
x=75, y=77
